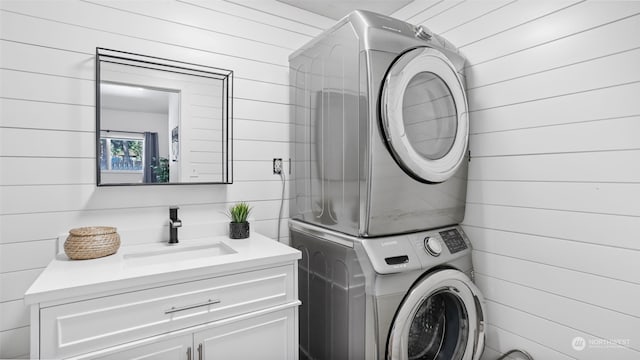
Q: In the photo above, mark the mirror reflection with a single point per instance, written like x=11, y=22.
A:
x=161, y=121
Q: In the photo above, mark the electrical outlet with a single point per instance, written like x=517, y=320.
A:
x=277, y=166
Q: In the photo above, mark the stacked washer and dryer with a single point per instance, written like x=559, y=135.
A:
x=379, y=161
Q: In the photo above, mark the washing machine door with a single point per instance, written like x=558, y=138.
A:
x=423, y=110
x=442, y=317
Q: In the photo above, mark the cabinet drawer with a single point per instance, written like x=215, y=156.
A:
x=85, y=326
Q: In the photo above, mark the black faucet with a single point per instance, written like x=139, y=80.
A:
x=174, y=224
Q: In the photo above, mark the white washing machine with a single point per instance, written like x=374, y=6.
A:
x=379, y=142
x=398, y=297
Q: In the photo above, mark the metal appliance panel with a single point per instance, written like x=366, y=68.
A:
x=326, y=132
x=331, y=289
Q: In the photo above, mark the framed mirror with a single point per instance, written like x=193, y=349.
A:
x=161, y=121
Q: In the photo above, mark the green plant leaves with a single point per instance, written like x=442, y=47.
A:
x=239, y=212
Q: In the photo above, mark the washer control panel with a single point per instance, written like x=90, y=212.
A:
x=433, y=246
x=419, y=250
x=454, y=240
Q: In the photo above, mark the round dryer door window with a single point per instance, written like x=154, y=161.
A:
x=424, y=115
x=441, y=318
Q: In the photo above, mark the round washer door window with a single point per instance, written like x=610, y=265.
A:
x=424, y=115
x=441, y=318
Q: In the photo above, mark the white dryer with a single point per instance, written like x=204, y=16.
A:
x=380, y=128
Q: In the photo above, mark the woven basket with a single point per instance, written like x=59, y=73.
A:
x=91, y=242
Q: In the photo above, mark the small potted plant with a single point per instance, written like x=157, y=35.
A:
x=239, y=226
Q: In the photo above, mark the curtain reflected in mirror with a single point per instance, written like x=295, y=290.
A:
x=161, y=121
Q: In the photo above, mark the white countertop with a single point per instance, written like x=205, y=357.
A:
x=64, y=278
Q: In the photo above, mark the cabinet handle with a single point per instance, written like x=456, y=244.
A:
x=189, y=353
x=199, y=351
x=207, y=303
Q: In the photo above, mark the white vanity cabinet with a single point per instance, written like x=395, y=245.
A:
x=224, y=309
x=256, y=338
x=259, y=337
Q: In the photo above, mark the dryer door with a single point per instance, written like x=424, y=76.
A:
x=442, y=317
x=423, y=112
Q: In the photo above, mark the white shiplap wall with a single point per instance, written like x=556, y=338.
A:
x=552, y=208
x=47, y=151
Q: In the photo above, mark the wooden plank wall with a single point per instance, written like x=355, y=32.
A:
x=552, y=208
x=47, y=151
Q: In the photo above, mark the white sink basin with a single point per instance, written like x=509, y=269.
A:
x=176, y=253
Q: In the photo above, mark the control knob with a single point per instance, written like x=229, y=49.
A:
x=432, y=246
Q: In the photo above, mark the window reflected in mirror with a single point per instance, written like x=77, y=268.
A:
x=161, y=121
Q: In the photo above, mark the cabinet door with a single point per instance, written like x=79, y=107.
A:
x=177, y=348
x=86, y=326
x=265, y=337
